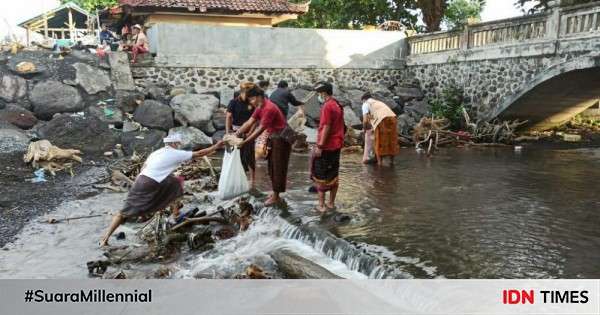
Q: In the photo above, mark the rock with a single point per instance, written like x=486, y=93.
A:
x=405, y=124
x=18, y=116
x=408, y=93
x=355, y=101
x=209, y=129
x=108, y=114
x=417, y=108
x=88, y=134
x=177, y=91
x=351, y=119
x=218, y=136
x=203, y=90
x=219, y=119
x=296, y=267
x=52, y=97
x=312, y=107
x=386, y=98
x=92, y=80
x=226, y=95
x=195, y=110
x=120, y=72
x=193, y=139
x=142, y=141
x=129, y=126
x=154, y=114
x=156, y=93
x=12, y=87
x=12, y=139
x=129, y=101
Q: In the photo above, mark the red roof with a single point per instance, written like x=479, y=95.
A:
x=237, y=6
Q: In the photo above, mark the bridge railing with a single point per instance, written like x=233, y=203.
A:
x=558, y=22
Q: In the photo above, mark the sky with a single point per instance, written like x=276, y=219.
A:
x=18, y=11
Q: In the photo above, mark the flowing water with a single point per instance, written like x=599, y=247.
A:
x=465, y=213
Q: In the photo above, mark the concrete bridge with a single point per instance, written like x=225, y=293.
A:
x=544, y=68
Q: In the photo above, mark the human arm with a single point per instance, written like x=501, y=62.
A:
x=323, y=139
x=295, y=102
x=365, y=120
x=257, y=131
x=228, y=122
x=247, y=126
x=207, y=151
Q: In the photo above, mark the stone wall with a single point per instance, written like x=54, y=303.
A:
x=202, y=79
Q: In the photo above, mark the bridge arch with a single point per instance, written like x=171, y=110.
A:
x=554, y=95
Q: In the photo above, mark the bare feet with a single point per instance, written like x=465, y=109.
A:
x=330, y=206
x=271, y=201
x=103, y=243
x=322, y=209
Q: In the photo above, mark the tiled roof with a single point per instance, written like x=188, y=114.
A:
x=237, y=6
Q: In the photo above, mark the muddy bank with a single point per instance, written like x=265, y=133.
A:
x=22, y=200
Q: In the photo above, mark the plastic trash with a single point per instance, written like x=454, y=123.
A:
x=108, y=112
x=39, y=176
x=233, y=181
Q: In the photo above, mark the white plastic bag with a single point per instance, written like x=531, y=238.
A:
x=233, y=181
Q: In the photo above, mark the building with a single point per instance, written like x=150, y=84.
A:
x=68, y=21
x=258, y=13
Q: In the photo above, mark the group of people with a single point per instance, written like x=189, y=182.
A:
x=132, y=39
x=261, y=122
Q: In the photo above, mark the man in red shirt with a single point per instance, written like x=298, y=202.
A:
x=271, y=120
x=330, y=140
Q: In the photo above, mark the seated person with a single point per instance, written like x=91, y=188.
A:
x=139, y=43
x=107, y=37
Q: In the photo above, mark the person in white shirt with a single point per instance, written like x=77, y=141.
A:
x=156, y=187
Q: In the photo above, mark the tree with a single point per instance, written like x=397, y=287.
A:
x=92, y=5
x=354, y=14
x=433, y=12
x=460, y=11
x=541, y=5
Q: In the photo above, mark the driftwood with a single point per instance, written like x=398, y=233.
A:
x=297, y=267
x=194, y=221
x=50, y=157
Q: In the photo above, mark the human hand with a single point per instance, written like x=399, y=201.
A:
x=317, y=152
x=220, y=144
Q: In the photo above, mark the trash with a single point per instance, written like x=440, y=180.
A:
x=54, y=221
x=108, y=153
x=120, y=236
x=232, y=140
x=78, y=114
x=297, y=122
x=139, y=137
x=571, y=138
x=25, y=67
x=233, y=181
x=39, y=176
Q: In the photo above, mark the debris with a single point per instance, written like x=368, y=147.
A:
x=108, y=153
x=25, y=67
x=39, y=176
x=232, y=140
x=571, y=138
x=54, y=221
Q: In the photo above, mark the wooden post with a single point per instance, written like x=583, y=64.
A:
x=46, y=24
x=71, y=27
x=28, y=34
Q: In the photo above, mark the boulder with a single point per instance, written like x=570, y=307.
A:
x=110, y=114
x=226, y=95
x=12, y=87
x=157, y=93
x=193, y=139
x=218, y=136
x=351, y=119
x=312, y=107
x=203, y=90
x=408, y=93
x=85, y=133
x=12, y=139
x=18, y=116
x=142, y=142
x=219, y=119
x=154, y=114
x=417, y=108
x=355, y=101
x=195, y=110
x=405, y=124
x=386, y=98
x=52, y=97
x=209, y=129
x=129, y=101
x=91, y=79
x=176, y=91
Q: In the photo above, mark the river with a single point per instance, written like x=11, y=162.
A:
x=464, y=213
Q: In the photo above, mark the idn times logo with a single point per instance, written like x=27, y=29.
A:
x=515, y=297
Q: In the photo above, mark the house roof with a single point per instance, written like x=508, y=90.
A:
x=58, y=16
x=231, y=6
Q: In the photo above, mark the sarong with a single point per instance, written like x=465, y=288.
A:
x=325, y=170
x=278, y=160
x=386, y=138
x=148, y=196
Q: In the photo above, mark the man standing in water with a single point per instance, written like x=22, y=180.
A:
x=270, y=118
x=156, y=187
x=382, y=120
x=330, y=140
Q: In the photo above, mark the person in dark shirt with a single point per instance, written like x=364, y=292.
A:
x=264, y=85
x=282, y=97
x=106, y=36
x=239, y=111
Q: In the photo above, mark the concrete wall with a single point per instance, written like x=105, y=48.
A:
x=185, y=45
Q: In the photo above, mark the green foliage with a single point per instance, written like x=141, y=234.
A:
x=541, y=5
x=459, y=11
x=449, y=105
x=354, y=14
x=92, y=5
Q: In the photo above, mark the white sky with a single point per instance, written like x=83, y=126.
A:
x=17, y=11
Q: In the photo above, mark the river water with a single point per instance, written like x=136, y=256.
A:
x=464, y=213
